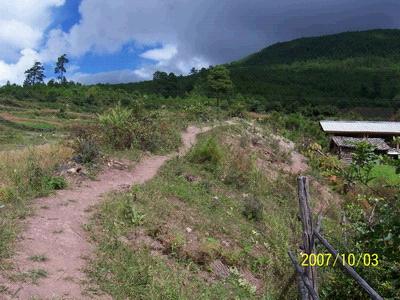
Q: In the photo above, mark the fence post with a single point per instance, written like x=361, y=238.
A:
x=307, y=224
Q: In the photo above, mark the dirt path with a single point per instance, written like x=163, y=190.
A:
x=56, y=233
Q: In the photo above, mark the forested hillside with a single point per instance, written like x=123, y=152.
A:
x=357, y=73
x=349, y=69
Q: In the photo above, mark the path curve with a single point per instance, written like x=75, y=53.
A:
x=57, y=232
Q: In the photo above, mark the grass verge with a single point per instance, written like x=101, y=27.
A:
x=209, y=226
x=25, y=174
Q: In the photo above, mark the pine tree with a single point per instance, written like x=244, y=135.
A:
x=60, y=70
x=219, y=84
x=35, y=75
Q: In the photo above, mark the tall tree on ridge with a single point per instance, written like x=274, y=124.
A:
x=60, y=68
x=35, y=74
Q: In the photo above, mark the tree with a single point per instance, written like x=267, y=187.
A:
x=193, y=71
x=219, y=83
x=60, y=68
x=166, y=84
x=364, y=160
x=35, y=75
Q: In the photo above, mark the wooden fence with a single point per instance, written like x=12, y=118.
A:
x=307, y=276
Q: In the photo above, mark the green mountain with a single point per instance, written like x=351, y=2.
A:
x=333, y=68
x=351, y=64
x=342, y=46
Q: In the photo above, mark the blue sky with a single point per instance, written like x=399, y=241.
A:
x=128, y=40
x=65, y=17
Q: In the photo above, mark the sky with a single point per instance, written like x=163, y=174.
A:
x=128, y=40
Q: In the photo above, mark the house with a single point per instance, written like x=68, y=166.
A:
x=346, y=134
x=344, y=146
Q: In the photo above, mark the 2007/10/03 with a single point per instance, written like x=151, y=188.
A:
x=351, y=259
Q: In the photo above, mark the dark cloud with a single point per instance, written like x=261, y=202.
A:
x=213, y=32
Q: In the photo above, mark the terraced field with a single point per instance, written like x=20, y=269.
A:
x=21, y=127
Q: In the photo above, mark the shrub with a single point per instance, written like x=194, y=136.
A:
x=237, y=109
x=156, y=134
x=123, y=128
x=239, y=169
x=207, y=151
x=86, y=149
x=253, y=208
x=117, y=126
x=85, y=144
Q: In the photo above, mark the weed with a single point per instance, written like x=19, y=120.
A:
x=38, y=258
x=56, y=182
x=35, y=274
x=253, y=208
x=32, y=276
x=131, y=214
x=87, y=150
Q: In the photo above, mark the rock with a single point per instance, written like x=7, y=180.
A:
x=123, y=240
x=225, y=243
x=190, y=178
x=74, y=170
x=188, y=229
x=220, y=269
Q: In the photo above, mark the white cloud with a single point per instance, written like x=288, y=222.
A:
x=15, y=72
x=18, y=35
x=118, y=76
x=22, y=27
x=161, y=54
x=23, y=22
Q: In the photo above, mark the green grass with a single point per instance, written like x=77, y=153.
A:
x=385, y=174
x=197, y=221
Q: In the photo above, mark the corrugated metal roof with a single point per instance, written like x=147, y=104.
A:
x=394, y=152
x=361, y=127
x=351, y=142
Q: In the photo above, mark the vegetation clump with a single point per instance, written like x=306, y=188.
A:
x=124, y=128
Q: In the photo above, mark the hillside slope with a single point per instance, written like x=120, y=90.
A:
x=352, y=64
x=378, y=43
x=333, y=69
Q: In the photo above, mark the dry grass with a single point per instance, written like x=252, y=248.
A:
x=24, y=174
x=15, y=163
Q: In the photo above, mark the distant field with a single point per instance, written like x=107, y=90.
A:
x=21, y=127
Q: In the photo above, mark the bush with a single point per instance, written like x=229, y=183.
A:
x=85, y=144
x=123, y=128
x=156, y=134
x=117, y=126
x=239, y=169
x=87, y=150
x=253, y=208
x=207, y=151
